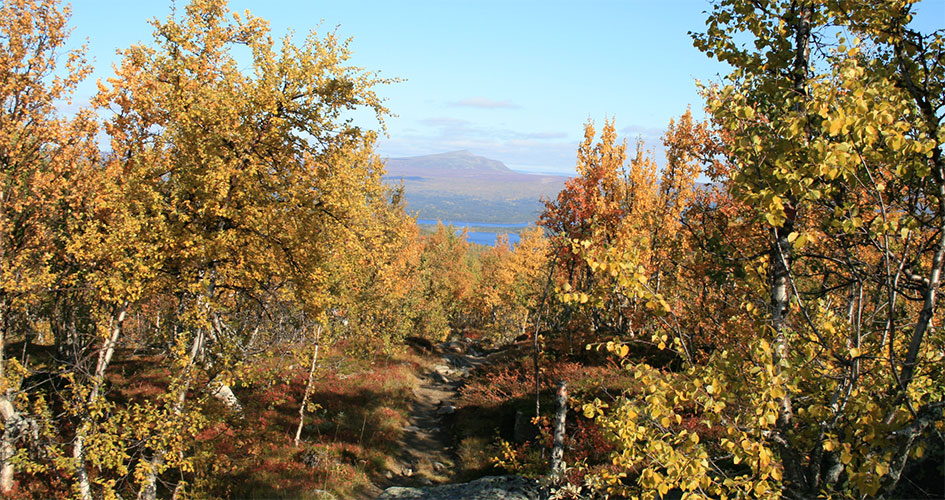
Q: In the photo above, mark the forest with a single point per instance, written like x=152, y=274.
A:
x=207, y=291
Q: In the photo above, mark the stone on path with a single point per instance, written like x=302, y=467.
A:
x=487, y=488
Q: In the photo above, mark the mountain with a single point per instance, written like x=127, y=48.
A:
x=456, y=163
x=460, y=186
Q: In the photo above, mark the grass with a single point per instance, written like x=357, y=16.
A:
x=495, y=430
x=359, y=407
x=347, y=440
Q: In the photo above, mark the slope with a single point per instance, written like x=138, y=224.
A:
x=462, y=186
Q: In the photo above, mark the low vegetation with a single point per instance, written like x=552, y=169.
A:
x=217, y=305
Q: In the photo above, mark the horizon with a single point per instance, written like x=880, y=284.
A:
x=511, y=82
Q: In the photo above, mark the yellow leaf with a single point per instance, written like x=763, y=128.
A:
x=623, y=350
x=835, y=126
x=761, y=487
x=882, y=469
x=801, y=241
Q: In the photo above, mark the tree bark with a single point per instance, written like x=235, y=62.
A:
x=561, y=414
x=11, y=421
x=148, y=489
x=7, y=412
x=308, y=386
x=105, y=354
x=782, y=252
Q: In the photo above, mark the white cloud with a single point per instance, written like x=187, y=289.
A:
x=536, y=151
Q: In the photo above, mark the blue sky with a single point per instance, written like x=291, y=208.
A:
x=511, y=80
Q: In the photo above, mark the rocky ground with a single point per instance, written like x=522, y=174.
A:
x=487, y=488
x=427, y=460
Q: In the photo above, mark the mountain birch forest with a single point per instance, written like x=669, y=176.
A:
x=209, y=290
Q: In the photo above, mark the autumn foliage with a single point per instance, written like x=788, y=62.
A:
x=793, y=313
x=178, y=258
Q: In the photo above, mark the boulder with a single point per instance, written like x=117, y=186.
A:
x=446, y=409
x=323, y=495
x=487, y=488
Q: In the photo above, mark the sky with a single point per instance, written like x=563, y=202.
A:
x=512, y=80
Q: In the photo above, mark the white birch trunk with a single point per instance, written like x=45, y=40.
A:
x=7, y=450
x=105, y=354
x=561, y=413
x=148, y=489
x=308, y=386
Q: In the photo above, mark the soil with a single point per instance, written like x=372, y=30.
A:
x=427, y=456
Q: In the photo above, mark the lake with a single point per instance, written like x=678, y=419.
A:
x=481, y=237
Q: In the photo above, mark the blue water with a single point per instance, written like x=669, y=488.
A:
x=467, y=224
x=484, y=238
x=481, y=237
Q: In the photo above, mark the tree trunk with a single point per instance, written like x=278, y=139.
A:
x=105, y=354
x=308, y=386
x=220, y=391
x=7, y=412
x=224, y=394
x=561, y=414
x=782, y=253
x=11, y=421
x=148, y=489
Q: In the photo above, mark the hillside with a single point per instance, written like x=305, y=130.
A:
x=462, y=186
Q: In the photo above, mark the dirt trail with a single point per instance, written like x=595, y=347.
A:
x=426, y=455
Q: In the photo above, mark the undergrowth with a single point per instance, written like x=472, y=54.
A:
x=496, y=427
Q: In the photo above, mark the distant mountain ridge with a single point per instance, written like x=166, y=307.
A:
x=455, y=161
x=459, y=185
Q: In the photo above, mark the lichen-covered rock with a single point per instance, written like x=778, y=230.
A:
x=323, y=495
x=487, y=488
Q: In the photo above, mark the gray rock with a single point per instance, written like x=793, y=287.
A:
x=487, y=488
x=446, y=409
x=323, y=495
x=454, y=347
